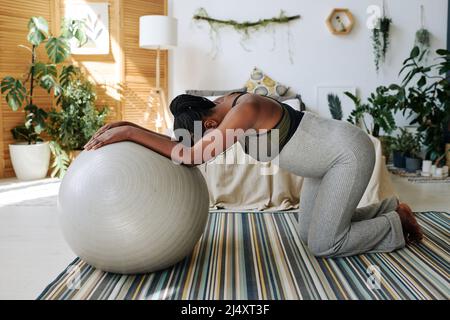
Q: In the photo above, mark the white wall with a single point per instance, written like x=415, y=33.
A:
x=320, y=58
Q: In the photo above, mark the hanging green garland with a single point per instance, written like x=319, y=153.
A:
x=245, y=28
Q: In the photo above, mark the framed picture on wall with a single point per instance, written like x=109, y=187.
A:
x=323, y=106
x=96, y=18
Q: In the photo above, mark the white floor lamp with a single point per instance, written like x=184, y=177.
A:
x=158, y=33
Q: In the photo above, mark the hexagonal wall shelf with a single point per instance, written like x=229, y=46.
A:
x=340, y=21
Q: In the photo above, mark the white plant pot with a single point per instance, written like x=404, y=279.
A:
x=30, y=161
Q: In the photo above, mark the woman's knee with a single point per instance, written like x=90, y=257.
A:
x=302, y=229
x=303, y=233
x=318, y=250
x=321, y=247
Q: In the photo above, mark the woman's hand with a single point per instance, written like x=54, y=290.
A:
x=111, y=135
x=106, y=127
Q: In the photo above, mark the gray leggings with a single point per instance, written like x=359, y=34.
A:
x=337, y=160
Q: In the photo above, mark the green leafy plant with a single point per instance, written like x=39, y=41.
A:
x=76, y=119
x=407, y=143
x=380, y=40
x=43, y=74
x=335, y=106
x=380, y=107
x=425, y=96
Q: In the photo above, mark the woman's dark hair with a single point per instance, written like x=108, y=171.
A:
x=187, y=108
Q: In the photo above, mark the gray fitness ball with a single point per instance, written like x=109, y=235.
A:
x=124, y=208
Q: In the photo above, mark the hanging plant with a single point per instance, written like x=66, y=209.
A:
x=380, y=40
x=423, y=36
x=423, y=39
x=245, y=28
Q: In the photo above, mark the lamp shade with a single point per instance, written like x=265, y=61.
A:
x=157, y=31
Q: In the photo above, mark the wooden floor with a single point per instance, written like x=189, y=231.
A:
x=33, y=252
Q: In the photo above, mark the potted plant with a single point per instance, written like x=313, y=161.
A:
x=406, y=149
x=413, y=162
x=400, y=148
x=75, y=119
x=30, y=156
x=425, y=96
x=398, y=159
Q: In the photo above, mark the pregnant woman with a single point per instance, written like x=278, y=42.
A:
x=335, y=158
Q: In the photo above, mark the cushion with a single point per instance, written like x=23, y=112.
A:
x=261, y=83
x=290, y=98
x=294, y=103
x=214, y=93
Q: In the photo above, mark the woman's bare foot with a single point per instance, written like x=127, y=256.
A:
x=411, y=229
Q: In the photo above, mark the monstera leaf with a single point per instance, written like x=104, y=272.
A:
x=48, y=82
x=57, y=49
x=37, y=30
x=67, y=74
x=15, y=92
x=42, y=69
x=46, y=75
x=23, y=133
x=35, y=118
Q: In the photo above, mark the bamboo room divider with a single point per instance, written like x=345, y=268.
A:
x=123, y=77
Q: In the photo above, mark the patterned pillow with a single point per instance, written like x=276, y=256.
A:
x=262, y=84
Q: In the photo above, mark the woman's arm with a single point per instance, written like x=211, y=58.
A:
x=214, y=142
x=133, y=133
x=116, y=124
x=132, y=124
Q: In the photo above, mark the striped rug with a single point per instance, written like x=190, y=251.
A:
x=259, y=256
